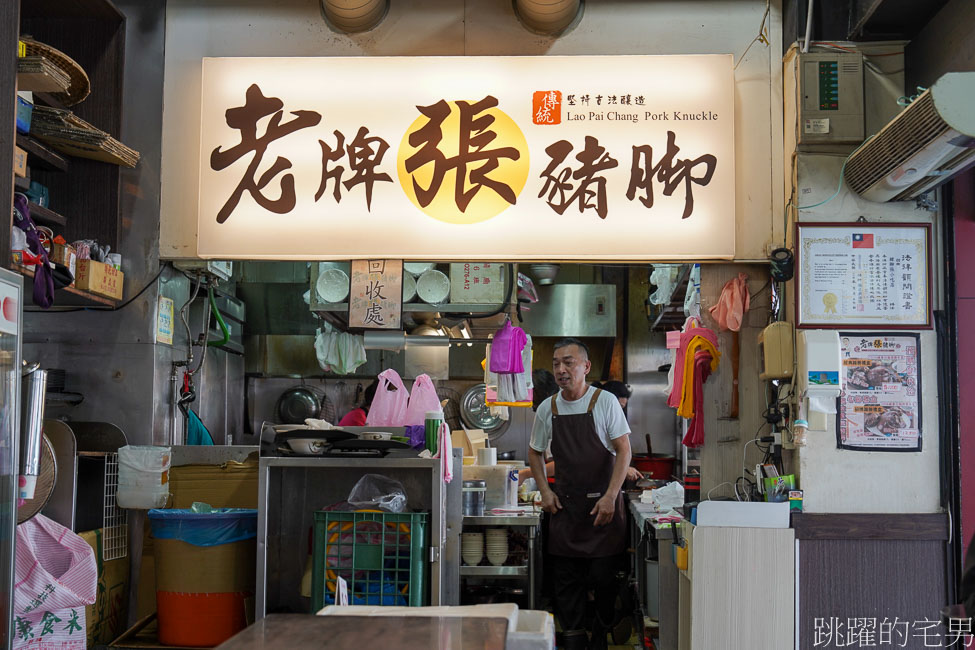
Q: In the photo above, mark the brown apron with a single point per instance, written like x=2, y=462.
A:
x=583, y=469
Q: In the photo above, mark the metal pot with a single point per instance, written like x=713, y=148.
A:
x=476, y=414
x=655, y=466
x=298, y=404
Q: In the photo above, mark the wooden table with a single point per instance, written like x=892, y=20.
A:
x=291, y=631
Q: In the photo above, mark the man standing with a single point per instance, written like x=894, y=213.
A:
x=590, y=444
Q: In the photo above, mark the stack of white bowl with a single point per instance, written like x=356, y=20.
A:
x=497, y=545
x=472, y=548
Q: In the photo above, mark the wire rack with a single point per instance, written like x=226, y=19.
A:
x=115, y=541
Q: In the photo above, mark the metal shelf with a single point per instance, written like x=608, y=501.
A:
x=419, y=306
x=494, y=571
x=503, y=520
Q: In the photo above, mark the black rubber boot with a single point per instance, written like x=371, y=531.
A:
x=575, y=640
x=598, y=640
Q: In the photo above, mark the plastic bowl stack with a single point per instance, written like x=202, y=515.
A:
x=497, y=545
x=472, y=548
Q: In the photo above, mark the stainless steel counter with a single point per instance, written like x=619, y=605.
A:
x=290, y=631
x=658, y=579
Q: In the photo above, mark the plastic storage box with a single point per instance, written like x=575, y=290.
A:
x=381, y=556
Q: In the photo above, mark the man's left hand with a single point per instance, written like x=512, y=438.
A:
x=604, y=510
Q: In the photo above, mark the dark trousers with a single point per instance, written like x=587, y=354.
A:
x=573, y=578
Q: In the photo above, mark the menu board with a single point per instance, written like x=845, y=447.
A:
x=863, y=275
x=879, y=406
x=376, y=294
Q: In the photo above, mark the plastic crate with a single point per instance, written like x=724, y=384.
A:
x=381, y=556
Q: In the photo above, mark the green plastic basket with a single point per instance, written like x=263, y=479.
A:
x=380, y=555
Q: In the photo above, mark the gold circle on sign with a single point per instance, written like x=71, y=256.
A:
x=487, y=202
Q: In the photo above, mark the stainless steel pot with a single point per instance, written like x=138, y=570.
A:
x=297, y=404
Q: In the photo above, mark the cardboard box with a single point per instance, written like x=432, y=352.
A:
x=65, y=254
x=20, y=162
x=107, y=617
x=230, y=485
x=477, y=283
x=100, y=279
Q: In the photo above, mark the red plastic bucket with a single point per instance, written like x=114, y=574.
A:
x=655, y=467
x=202, y=620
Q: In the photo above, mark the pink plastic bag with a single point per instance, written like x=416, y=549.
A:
x=423, y=398
x=56, y=576
x=732, y=304
x=388, y=406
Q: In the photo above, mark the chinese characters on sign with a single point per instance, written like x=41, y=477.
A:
x=376, y=296
x=471, y=166
x=849, y=276
x=880, y=405
x=873, y=632
x=524, y=162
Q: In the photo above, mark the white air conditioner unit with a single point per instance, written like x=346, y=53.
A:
x=925, y=145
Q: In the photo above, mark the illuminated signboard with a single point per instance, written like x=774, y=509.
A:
x=456, y=158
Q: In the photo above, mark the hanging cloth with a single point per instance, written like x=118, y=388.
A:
x=702, y=370
x=732, y=304
x=686, y=407
x=691, y=329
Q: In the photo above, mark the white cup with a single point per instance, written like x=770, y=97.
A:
x=487, y=456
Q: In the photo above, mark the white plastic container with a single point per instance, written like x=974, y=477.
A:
x=535, y=630
x=143, y=476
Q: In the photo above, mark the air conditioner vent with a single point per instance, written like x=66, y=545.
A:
x=919, y=148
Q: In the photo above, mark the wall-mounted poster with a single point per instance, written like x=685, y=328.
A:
x=880, y=405
x=376, y=294
x=863, y=275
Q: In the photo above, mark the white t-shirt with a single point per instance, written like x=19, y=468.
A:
x=608, y=414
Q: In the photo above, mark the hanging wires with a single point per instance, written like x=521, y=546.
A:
x=719, y=485
x=809, y=15
x=182, y=317
x=762, y=36
x=839, y=184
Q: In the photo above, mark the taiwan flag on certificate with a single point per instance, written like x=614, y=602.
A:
x=862, y=241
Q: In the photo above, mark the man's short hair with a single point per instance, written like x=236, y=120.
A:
x=561, y=343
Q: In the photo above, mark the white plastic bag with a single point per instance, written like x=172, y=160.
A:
x=389, y=406
x=143, y=480
x=423, y=398
x=668, y=497
x=56, y=576
x=377, y=491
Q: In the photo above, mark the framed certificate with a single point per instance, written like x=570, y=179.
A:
x=863, y=275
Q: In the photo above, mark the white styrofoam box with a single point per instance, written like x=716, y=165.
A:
x=744, y=514
x=535, y=630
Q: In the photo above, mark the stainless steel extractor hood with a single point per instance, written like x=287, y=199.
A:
x=572, y=310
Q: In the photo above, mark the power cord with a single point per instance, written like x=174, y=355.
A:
x=125, y=304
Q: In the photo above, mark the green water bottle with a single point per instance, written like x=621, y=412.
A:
x=432, y=422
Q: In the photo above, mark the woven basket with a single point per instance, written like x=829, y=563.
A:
x=79, y=87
